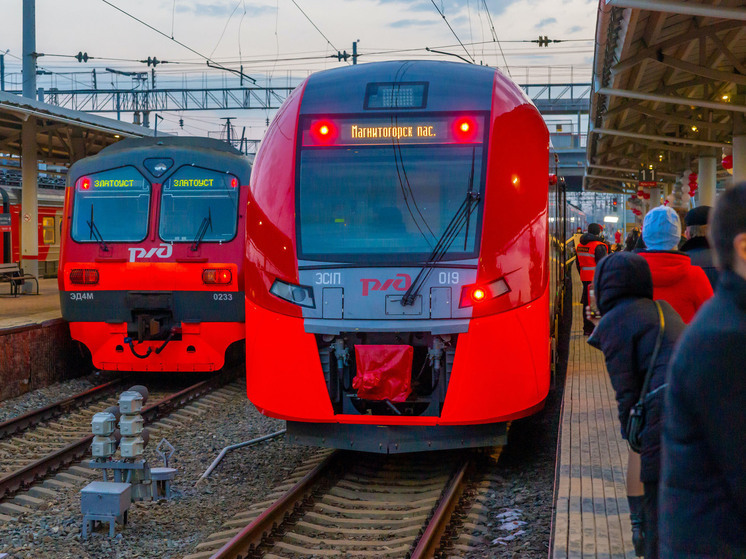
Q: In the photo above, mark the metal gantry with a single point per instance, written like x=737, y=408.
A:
x=554, y=98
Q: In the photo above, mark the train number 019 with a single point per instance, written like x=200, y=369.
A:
x=448, y=278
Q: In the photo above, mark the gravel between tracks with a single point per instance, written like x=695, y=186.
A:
x=525, y=490
x=170, y=529
x=13, y=407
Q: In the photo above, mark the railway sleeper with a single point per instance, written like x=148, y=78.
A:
x=333, y=528
x=394, y=507
x=372, y=513
x=393, y=489
x=371, y=522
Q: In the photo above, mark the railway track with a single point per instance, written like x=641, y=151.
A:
x=39, y=448
x=338, y=505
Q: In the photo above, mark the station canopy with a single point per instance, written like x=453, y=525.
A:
x=668, y=86
x=63, y=136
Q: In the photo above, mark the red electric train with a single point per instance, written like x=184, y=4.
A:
x=49, y=222
x=151, y=273
x=403, y=271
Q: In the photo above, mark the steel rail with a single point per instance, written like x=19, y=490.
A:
x=430, y=540
x=54, y=409
x=251, y=536
x=12, y=483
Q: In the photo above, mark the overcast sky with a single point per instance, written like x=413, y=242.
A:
x=273, y=38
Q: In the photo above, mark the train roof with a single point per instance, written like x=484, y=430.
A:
x=189, y=142
x=450, y=85
x=197, y=151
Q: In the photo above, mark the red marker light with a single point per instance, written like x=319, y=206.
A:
x=478, y=294
x=85, y=183
x=323, y=132
x=84, y=276
x=465, y=129
x=220, y=276
x=234, y=182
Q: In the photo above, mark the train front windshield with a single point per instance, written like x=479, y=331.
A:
x=199, y=205
x=111, y=206
x=392, y=200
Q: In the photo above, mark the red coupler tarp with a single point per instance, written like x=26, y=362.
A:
x=384, y=372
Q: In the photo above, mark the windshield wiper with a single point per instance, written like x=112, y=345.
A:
x=459, y=220
x=95, y=233
x=202, y=231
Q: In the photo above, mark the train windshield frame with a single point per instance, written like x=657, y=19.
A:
x=100, y=201
x=199, y=204
x=388, y=198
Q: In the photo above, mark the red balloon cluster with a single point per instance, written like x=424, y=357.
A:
x=692, y=184
x=727, y=162
x=636, y=211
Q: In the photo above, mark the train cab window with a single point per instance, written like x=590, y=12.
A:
x=384, y=200
x=111, y=206
x=47, y=229
x=199, y=204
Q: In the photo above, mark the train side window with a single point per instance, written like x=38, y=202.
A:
x=47, y=227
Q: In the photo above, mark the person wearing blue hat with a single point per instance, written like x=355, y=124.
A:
x=696, y=245
x=675, y=279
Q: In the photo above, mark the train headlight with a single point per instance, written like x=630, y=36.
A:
x=475, y=294
x=221, y=276
x=296, y=294
x=83, y=276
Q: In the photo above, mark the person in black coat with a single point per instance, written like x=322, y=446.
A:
x=627, y=334
x=703, y=481
x=697, y=246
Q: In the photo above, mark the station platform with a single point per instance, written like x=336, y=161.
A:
x=28, y=310
x=591, y=517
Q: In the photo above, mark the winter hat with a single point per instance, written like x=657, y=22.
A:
x=697, y=216
x=594, y=229
x=661, y=229
x=621, y=275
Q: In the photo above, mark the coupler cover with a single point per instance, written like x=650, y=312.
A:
x=384, y=372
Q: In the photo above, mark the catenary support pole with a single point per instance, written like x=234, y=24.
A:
x=29, y=200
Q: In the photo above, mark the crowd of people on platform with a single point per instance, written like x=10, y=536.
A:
x=675, y=352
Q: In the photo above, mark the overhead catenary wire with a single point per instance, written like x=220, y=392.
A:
x=442, y=14
x=207, y=59
x=316, y=27
x=230, y=17
x=494, y=37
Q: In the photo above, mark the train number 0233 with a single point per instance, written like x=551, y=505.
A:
x=448, y=278
x=222, y=296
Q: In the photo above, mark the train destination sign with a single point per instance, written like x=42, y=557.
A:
x=116, y=179
x=193, y=178
x=193, y=183
x=401, y=130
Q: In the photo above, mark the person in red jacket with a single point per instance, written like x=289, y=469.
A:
x=675, y=278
